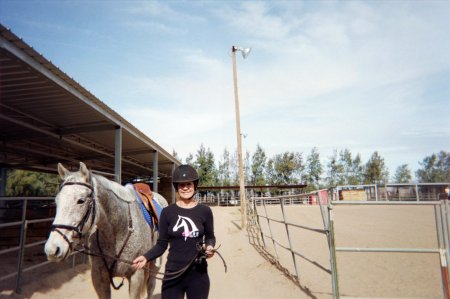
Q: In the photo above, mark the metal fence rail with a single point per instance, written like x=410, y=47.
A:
x=22, y=236
x=254, y=219
x=442, y=220
x=442, y=235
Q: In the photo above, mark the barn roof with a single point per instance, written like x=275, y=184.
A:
x=46, y=117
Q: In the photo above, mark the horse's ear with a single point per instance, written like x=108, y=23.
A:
x=63, y=172
x=84, y=170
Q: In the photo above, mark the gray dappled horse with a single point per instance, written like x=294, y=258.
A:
x=105, y=214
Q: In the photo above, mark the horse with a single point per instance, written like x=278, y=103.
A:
x=106, y=219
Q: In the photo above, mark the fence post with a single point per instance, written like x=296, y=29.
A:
x=417, y=192
x=444, y=248
x=376, y=192
x=271, y=234
x=447, y=228
x=259, y=224
x=289, y=238
x=23, y=236
x=333, y=261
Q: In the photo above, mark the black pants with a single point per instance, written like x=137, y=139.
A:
x=194, y=283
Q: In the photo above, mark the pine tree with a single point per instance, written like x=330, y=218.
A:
x=402, y=174
x=435, y=168
x=259, y=160
x=376, y=171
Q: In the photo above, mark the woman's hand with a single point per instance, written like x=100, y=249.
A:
x=139, y=262
x=209, y=251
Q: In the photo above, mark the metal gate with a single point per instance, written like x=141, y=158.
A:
x=259, y=237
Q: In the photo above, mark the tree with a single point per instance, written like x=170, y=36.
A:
x=270, y=172
x=31, y=183
x=175, y=155
x=234, y=166
x=285, y=168
x=435, y=168
x=224, y=173
x=335, y=171
x=190, y=160
x=206, y=167
x=246, y=169
x=402, y=174
x=375, y=171
x=313, y=170
x=357, y=172
x=259, y=160
x=345, y=159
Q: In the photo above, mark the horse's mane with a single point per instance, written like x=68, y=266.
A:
x=124, y=193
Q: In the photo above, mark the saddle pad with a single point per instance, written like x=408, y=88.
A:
x=155, y=204
x=158, y=207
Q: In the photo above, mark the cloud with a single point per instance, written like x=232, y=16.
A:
x=157, y=17
x=352, y=75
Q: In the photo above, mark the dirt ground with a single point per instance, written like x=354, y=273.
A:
x=250, y=275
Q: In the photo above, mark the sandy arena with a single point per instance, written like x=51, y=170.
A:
x=368, y=275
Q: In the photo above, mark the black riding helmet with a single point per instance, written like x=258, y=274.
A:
x=183, y=174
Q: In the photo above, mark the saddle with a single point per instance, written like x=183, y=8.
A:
x=146, y=196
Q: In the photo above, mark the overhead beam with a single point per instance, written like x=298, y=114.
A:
x=86, y=129
x=65, y=139
x=138, y=152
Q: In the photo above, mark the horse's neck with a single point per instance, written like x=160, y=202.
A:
x=113, y=213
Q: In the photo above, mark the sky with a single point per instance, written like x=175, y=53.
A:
x=364, y=75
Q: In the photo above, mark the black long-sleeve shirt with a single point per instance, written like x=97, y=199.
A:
x=182, y=229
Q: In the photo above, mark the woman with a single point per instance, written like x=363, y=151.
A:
x=184, y=225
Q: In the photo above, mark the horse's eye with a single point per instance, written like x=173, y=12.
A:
x=81, y=201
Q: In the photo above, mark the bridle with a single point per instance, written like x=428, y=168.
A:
x=91, y=210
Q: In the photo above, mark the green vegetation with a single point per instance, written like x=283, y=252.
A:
x=31, y=183
x=342, y=168
x=260, y=170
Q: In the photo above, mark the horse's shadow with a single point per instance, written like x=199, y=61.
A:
x=45, y=281
x=53, y=276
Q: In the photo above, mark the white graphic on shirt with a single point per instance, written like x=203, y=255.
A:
x=185, y=223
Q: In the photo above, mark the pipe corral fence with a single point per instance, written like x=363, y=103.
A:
x=25, y=224
x=260, y=225
x=24, y=228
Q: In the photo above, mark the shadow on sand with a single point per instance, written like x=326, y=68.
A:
x=43, y=279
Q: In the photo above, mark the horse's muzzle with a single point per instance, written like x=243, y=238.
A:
x=56, y=248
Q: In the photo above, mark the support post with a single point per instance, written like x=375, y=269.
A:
x=118, y=155
x=173, y=189
x=2, y=181
x=417, y=192
x=155, y=171
x=23, y=237
x=333, y=260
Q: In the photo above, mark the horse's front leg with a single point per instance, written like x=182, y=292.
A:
x=100, y=279
x=137, y=282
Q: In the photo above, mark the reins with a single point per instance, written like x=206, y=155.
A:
x=200, y=255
